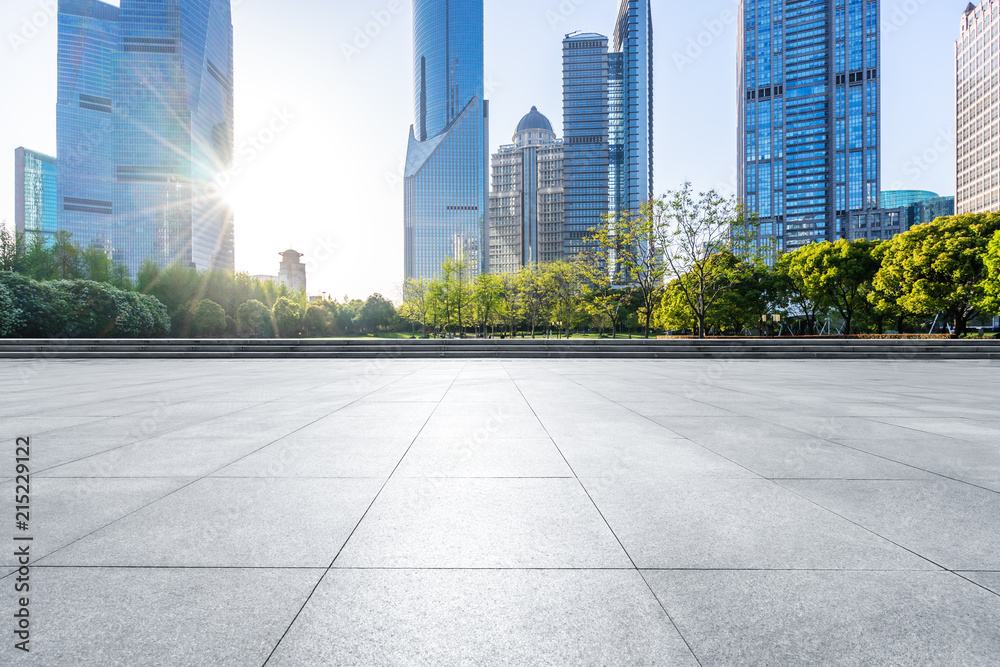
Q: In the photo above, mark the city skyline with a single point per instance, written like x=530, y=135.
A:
x=519, y=78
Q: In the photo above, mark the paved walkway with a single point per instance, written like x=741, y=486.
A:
x=600, y=513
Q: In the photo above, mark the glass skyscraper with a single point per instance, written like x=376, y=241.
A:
x=35, y=193
x=174, y=133
x=809, y=130
x=608, y=118
x=446, y=189
x=145, y=123
x=89, y=46
x=631, y=107
x=586, y=128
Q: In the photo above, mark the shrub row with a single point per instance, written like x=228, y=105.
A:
x=77, y=309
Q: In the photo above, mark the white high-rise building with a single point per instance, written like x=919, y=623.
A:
x=977, y=62
x=526, y=203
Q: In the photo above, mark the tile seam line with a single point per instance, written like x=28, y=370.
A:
x=606, y=523
x=181, y=428
x=357, y=525
x=810, y=435
x=322, y=568
x=781, y=486
x=203, y=477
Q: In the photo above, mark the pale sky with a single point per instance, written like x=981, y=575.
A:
x=329, y=185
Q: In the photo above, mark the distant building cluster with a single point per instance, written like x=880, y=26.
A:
x=548, y=193
x=144, y=124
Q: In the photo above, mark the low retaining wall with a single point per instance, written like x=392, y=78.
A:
x=749, y=348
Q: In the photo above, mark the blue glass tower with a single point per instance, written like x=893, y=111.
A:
x=809, y=130
x=586, y=124
x=89, y=46
x=631, y=107
x=174, y=133
x=144, y=125
x=446, y=189
x=36, y=180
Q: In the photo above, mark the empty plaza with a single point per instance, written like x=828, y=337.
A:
x=378, y=512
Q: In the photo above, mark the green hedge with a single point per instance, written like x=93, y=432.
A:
x=77, y=309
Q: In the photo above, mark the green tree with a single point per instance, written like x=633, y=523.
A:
x=316, y=323
x=287, y=318
x=378, y=313
x=488, y=301
x=792, y=282
x=416, y=301
x=564, y=281
x=632, y=247
x=839, y=274
x=66, y=257
x=940, y=267
x=991, y=299
x=699, y=238
x=254, y=319
x=674, y=311
x=457, y=291
x=603, y=298
x=209, y=319
x=10, y=249
x=535, y=295
x=511, y=308
x=10, y=315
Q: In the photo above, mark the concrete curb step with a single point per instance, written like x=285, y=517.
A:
x=511, y=349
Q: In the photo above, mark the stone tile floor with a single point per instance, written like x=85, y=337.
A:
x=302, y=513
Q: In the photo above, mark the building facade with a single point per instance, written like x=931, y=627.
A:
x=630, y=105
x=36, y=198
x=929, y=210
x=526, y=202
x=902, y=198
x=175, y=133
x=446, y=180
x=292, y=272
x=809, y=130
x=918, y=206
x=144, y=125
x=88, y=62
x=978, y=125
x=586, y=137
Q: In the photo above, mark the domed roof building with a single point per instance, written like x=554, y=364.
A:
x=535, y=120
x=534, y=130
x=526, y=203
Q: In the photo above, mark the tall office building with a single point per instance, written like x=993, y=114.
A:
x=174, y=131
x=88, y=52
x=35, y=193
x=809, y=130
x=630, y=105
x=586, y=134
x=144, y=124
x=978, y=124
x=608, y=119
x=526, y=203
x=446, y=182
